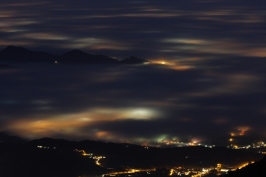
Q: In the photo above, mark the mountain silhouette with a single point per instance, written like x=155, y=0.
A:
x=77, y=56
x=12, y=53
x=6, y=138
x=19, y=54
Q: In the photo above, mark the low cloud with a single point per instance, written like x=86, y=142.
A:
x=207, y=76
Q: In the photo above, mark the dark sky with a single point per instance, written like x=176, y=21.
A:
x=207, y=82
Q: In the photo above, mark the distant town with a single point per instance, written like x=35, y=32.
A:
x=219, y=169
x=176, y=143
x=94, y=158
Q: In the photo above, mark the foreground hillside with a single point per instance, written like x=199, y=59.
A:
x=62, y=158
x=257, y=169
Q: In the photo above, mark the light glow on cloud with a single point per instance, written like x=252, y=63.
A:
x=71, y=123
x=206, y=67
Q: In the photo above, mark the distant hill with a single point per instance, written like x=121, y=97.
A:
x=77, y=56
x=12, y=53
x=19, y=54
x=257, y=169
x=6, y=138
x=35, y=162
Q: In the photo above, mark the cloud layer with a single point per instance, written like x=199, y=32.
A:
x=135, y=103
x=212, y=83
x=152, y=30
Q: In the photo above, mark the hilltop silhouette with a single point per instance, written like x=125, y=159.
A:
x=19, y=54
x=12, y=53
x=6, y=138
x=257, y=169
x=77, y=56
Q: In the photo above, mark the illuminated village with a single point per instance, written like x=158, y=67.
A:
x=214, y=170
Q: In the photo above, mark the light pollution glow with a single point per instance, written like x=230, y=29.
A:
x=71, y=123
x=206, y=78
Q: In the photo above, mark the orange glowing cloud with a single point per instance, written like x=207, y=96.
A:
x=71, y=123
x=44, y=36
x=47, y=127
x=105, y=135
x=175, y=65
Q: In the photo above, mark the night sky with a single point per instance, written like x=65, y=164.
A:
x=206, y=83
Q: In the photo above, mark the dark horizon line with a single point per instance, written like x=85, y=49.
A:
x=130, y=59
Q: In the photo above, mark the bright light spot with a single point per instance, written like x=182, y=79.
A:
x=139, y=113
x=242, y=130
x=171, y=172
x=172, y=64
x=245, y=164
x=235, y=147
x=160, y=62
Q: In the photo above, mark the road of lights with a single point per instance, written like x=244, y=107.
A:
x=174, y=171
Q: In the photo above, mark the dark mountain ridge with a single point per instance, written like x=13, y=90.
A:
x=12, y=53
x=19, y=54
x=77, y=56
